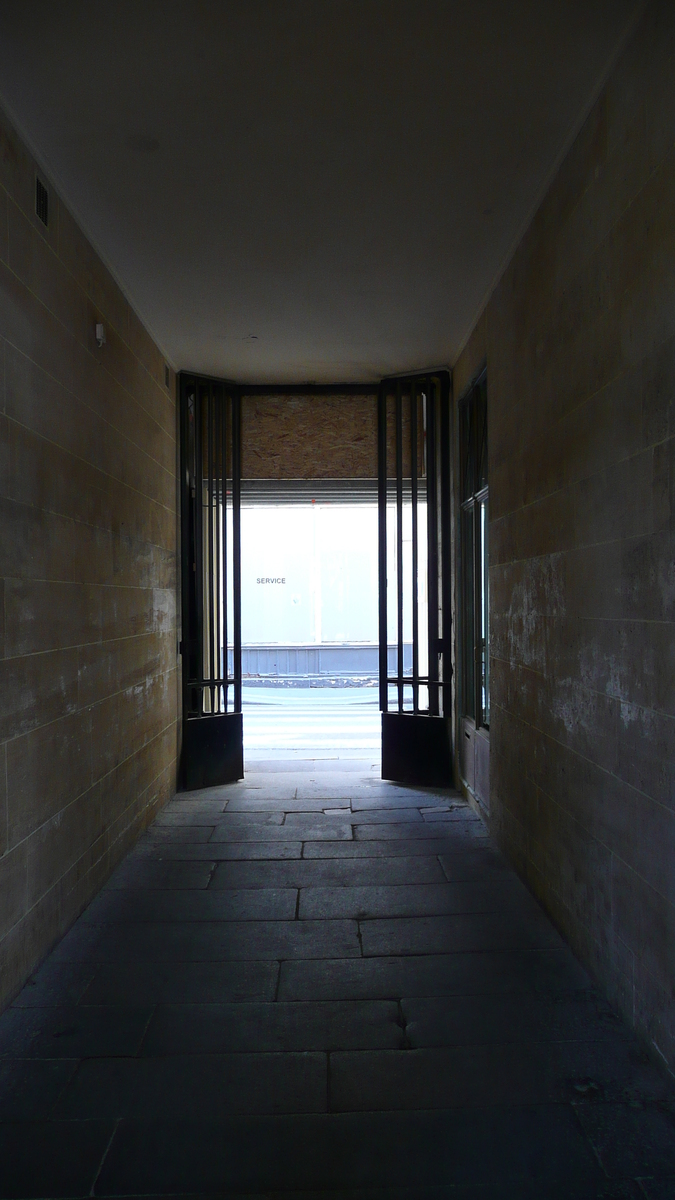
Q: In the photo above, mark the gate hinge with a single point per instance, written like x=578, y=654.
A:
x=443, y=646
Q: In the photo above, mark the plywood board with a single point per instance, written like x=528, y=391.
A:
x=309, y=437
x=320, y=437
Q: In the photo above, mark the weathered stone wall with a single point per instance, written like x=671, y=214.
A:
x=87, y=572
x=471, y=361
x=581, y=394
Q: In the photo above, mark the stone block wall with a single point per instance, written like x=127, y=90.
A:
x=580, y=342
x=88, y=687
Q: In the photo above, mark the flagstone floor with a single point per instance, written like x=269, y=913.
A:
x=313, y=983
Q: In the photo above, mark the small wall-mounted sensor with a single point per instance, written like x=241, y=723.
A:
x=100, y=335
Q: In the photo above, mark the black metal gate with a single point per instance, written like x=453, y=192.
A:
x=211, y=584
x=415, y=578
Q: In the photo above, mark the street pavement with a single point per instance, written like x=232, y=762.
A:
x=330, y=722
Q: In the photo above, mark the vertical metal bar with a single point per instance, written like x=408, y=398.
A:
x=413, y=497
x=477, y=552
x=382, y=542
x=399, y=540
x=185, y=540
x=217, y=443
x=236, y=544
x=199, y=541
x=446, y=572
x=209, y=561
x=223, y=450
x=432, y=539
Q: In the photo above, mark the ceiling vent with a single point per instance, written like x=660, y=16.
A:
x=41, y=201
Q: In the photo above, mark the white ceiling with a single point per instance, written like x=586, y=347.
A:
x=305, y=190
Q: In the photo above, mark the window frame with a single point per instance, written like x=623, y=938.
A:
x=474, y=603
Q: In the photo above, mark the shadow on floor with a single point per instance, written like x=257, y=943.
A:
x=315, y=983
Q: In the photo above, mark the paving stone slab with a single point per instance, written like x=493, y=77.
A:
x=296, y=785
x=221, y=792
x=468, y=931
x=457, y=812
x=545, y=972
x=543, y=1144
x=218, y=851
x=657, y=1189
x=55, y=983
x=305, y=804
x=476, y=1020
x=514, y=1190
x=326, y=786
x=482, y=1075
x=145, y=872
x=269, y=904
x=147, y=983
x=465, y=828
x=279, y=1027
x=319, y=820
x=72, y=1031
x=194, y=1087
x=381, y=792
x=158, y=834
x=365, y=801
x=325, y=872
x=474, y=862
x=405, y=814
x=520, y=1190
x=29, y=1088
x=314, y=828
x=391, y=848
x=201, y=941
x=231, y=819
x=631, y=1139
x=386, y=816
x=51, y=1158
x=417, y=899
x=186, y=802
x=185, y=816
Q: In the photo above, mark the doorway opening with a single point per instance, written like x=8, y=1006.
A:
x=300, y=595
x=310, y=634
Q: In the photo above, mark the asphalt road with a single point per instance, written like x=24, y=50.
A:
x=289, y=720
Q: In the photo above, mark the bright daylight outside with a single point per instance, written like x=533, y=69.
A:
x=309, y=589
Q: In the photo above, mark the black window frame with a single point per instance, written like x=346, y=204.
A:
x=474, y=589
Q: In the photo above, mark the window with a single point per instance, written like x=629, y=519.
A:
x=475, y=588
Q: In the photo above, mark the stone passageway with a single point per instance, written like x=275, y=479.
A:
x=313, y=982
